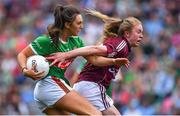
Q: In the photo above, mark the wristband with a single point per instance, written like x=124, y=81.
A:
x=23, y=68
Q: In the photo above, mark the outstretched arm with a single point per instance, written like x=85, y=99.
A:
x=84, y=51
x=104, y=61
x=91, y=53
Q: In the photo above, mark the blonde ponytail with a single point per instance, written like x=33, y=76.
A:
x=111, y=24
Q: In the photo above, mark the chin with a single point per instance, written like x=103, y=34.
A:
x=135, y=45
x=75, y=34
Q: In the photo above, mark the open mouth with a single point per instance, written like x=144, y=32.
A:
x=139, y=41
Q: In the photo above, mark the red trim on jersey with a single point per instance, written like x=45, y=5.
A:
x=61, y=85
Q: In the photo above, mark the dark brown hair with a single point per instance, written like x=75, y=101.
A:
x=62, y=14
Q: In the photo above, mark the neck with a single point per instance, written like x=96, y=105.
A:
x=64, y=35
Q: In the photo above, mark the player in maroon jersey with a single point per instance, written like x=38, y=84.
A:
x=119, y=36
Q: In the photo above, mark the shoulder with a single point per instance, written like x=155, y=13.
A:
x=114, y=40
x=75, y=38
x=43, y=39
x=115, y=45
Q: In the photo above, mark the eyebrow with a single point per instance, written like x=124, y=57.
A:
x=80, y=21
x=140, y=30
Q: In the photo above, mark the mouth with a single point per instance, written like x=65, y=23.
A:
x=139, y=41
x=78, y=31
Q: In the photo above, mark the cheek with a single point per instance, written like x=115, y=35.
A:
x=73, y=30
x=75, y=27
x=136, y=36
x=134, y=39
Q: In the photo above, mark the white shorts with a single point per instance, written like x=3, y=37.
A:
x=94, y=93
x=48, y=91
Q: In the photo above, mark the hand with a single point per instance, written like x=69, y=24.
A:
x=65, y=64
x=32, y=74
x=121, y=61
x=56, y=58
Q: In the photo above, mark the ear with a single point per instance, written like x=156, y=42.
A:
x=67, y=25
x=126, y=34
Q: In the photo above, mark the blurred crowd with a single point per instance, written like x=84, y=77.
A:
x=150, y=86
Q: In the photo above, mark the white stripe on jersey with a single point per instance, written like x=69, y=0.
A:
x=121, y=46
x=33, y=49
x=122, y=42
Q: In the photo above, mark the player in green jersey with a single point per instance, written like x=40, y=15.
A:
x=52, y=94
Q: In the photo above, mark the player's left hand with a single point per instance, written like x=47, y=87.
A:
x=121, y=61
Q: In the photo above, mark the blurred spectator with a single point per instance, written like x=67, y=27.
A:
x=151, y=84
x=15, y=105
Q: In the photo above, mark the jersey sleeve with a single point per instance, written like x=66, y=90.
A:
x=115, y=47
x=41, y=45
x=111, y=48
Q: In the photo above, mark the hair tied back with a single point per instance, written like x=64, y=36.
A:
x=60, y=8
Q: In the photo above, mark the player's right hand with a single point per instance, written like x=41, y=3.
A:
x=33, y=74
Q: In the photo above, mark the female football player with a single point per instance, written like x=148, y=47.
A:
x=120, y=35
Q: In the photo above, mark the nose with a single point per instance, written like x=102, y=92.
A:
x=81, y=26
x=141, y=36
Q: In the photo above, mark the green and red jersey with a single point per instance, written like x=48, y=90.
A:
x=43, y=45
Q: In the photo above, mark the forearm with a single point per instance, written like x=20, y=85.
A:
x=86, y=51
x=21, y=58
x=23, y=55
x=100, y=61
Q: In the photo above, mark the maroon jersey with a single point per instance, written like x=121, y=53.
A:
x=116, y=48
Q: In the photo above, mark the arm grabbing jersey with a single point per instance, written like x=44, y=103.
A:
x=116, y=48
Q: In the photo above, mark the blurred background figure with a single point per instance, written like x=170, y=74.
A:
x=150, y=86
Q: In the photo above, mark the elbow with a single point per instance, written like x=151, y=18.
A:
x=18, y=55
x=94, y=60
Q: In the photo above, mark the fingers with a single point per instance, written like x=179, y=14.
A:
x=53, y=63
x=59, y=64
x=55, y=58
x=127, y=65
x=126, y=60
x=64, y=64
x=123, y=61
x=39, y=75
x=34, y=67
x=34, y=75
x=50, y=57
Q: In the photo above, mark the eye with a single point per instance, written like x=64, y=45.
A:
x=139, y=31
x=79, y=23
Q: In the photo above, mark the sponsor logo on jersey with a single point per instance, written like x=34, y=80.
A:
x=112, y=54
